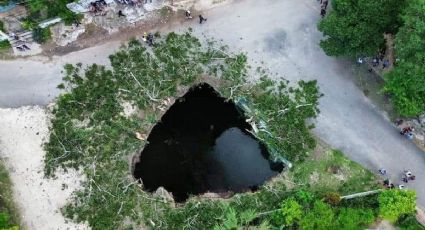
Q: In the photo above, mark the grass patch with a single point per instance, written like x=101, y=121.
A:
x=5, y=45
x=2, y=26
x=8, y=212
x=41, y=35
x=332, y=171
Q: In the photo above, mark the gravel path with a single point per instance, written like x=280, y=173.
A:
x=283, y=35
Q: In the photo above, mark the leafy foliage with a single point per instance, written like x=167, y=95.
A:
x=236, y=221
x=406, y=82
x=5, y=222
x=356, y=27
x=8, y=211
x=394, y=203
x=41, y=35
x=320, y=217
x=290, y=212
x=283, y=117
x=2, y=26
x=355, y=219
x=5, y=44
x=44, y=9
x=408, y=222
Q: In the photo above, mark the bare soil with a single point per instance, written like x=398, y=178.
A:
x=96, y=35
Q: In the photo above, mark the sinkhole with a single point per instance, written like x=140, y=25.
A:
x=201, y=144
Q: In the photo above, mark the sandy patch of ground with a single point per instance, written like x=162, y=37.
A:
x=22, y=132
x=383, y=225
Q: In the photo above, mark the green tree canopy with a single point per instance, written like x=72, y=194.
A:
x=394, y=203
x=406, y=82
x=290, y=212
x=321, y=217
x=355, y=27
x=355, y=219
x=41, y=35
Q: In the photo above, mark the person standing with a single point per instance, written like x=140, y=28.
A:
x=201, y=19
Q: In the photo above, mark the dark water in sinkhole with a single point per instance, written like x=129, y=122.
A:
x=201, y=145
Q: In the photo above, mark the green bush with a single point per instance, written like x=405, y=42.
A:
x=41, y=35
x=320, y=217
x=2, y=26
x=357, y=27
x=408, y=222
x=354, y=219
x=395, y=203
x=290, y=212
x=406, y=83
x=44, y=9
x=5, y=222
x=28, y=24
x=5, y=44
x=8, y=212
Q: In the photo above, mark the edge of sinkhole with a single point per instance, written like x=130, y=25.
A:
x=161, y=192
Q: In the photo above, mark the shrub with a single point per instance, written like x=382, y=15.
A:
x=2, y=25
x=28, y=24
x=290, y=211
x=41, y=35
x=4, y=45
x=320, y=217
x=394, y=203
x=408, y=222
x=353, y=219
x=44, y=9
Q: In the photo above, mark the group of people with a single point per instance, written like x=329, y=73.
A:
x=375, y=62
x=97, y=6
x=188, y=15
x=323, y=7
x=407, y=176
x=406, y=131
x=380, y=58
